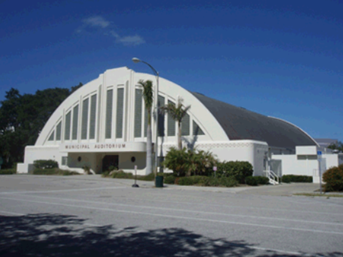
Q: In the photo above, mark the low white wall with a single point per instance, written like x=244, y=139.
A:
x=33, y=153
x=291, y=165
x=332, y=160
x=238, y=150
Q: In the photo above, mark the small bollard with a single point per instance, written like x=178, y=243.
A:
x=135, y=184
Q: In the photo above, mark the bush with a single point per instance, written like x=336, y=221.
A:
x=189, y=162
x=105, y=174
x=333, y=178
x=149, y=177
x=45, y=164
x=54, y=171
x=238, y=169
x=223, y=181
x=8, y=172
x=169, y=179
x=252, y=181
x=120, y=174
x=193, y=180
x=262, y=180
x=207, y=181
x=296, y=178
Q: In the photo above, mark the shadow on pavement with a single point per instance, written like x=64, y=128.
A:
x=61, y=235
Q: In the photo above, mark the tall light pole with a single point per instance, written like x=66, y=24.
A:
x=136, y=60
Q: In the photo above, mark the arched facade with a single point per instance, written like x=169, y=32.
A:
x=103, y=124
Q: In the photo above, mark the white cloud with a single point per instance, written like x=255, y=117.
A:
x=128, y=40
x=96, y=21
x=104, y=25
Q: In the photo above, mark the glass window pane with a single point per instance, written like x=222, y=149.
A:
x=120, y=112
x=75, y=121
x=109, y=106
x=92, y=117
x=84, y=119
x=138, y=113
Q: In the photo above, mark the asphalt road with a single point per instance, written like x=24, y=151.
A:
x=93, y=216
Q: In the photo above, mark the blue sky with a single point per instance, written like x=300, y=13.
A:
x=277, y=58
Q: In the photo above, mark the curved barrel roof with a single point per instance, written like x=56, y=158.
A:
x=239, y=123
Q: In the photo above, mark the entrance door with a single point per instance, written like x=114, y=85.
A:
x=110, y=162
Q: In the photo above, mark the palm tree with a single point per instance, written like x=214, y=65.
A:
x=177, y=113
x=148, y=101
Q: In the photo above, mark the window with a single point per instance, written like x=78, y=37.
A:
x=120, y=112
x=160, y=117
x=92, y=118
x=171, y=123
x=58, y=131
x=185, y=125
x=84, y=119
x=51, y=138
x=75, y=122
x=67, y=126
x=65, y=160
x=197, y=130
x=138, y=112
x=109, y=106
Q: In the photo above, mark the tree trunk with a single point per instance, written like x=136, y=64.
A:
x=179, y=136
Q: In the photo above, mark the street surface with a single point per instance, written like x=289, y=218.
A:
x=94, y=216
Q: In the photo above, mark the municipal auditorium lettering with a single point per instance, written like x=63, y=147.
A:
x=95, y=146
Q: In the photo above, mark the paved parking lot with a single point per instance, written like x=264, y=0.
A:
x=93, y=216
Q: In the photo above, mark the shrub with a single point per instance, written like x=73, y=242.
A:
x=105, y=174
x=228, y=182
x=87, y=170
x=45, y=164
x=120, y=174
x=193, y=180
x=7, y=172
x=296, y=178
x=149, y=177
x=221, y=181
x=333, y=178
x=238, y=169
x=54, y=171
x=169, y=179
x=252, y=181
x=262, y=180
x=187, y=162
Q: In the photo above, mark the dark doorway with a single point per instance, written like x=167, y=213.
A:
x=110, y=162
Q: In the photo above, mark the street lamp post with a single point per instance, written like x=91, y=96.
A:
x=136, y=60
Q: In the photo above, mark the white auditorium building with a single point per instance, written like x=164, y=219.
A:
x=103, y=123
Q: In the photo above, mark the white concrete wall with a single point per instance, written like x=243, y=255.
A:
x=291, y=165
x=238, y=150
x=33, y=153
x=332, y=160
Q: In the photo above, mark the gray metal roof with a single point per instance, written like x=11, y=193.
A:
x=239, y=124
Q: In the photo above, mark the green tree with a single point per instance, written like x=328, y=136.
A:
x=338, y=146
x=22, y=117
x=177, y=112
x=73, y=89
x=148, y=101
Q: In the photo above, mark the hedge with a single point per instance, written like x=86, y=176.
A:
x=8, y=172
x=54, y=171
x=258, y=180
x=296, y=178
x=333, y=178
x=207, y=181
x=45, y=164
x=237, y=169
